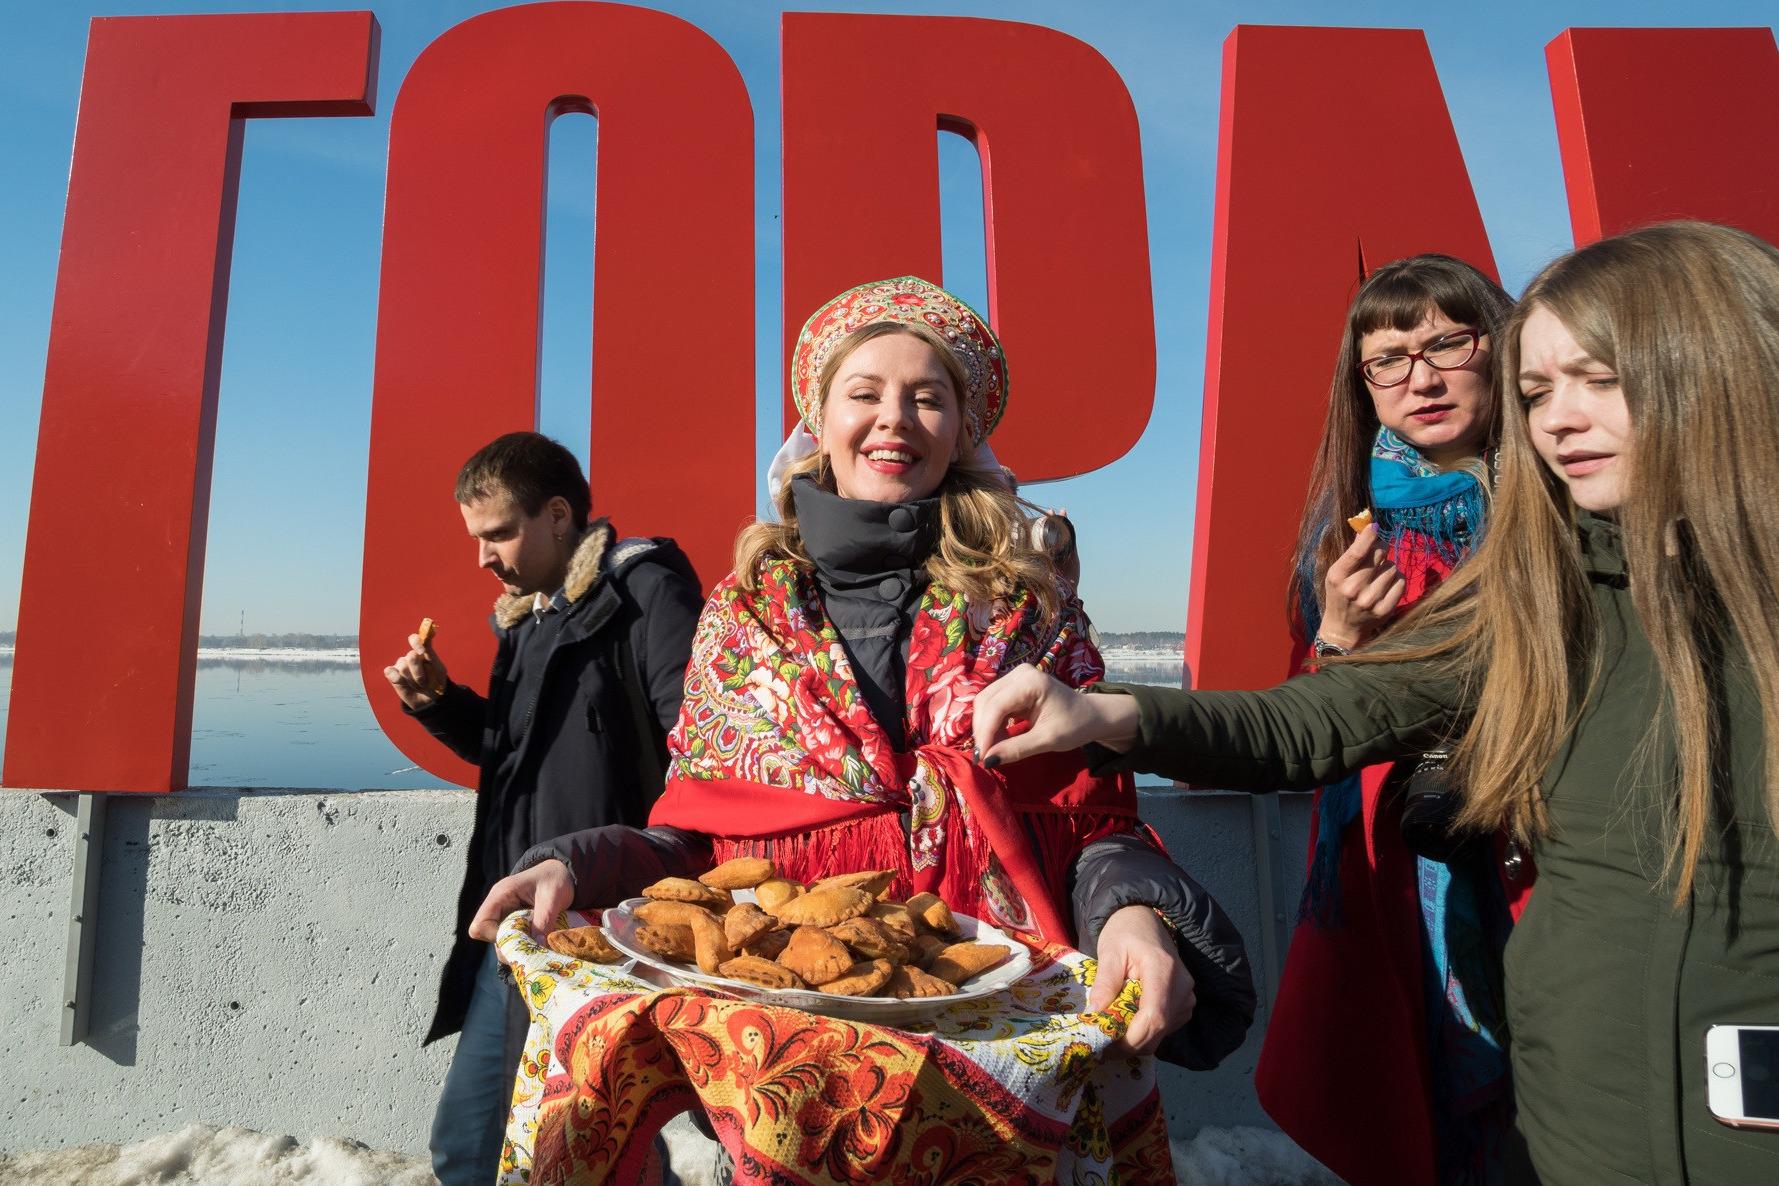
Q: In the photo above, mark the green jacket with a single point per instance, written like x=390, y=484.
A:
x=1609, y=988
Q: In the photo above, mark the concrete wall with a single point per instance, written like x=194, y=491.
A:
x=269, y=959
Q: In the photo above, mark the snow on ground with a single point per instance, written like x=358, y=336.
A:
x=203, y=1155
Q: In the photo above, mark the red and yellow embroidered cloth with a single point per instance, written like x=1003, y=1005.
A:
x=1019, y=1088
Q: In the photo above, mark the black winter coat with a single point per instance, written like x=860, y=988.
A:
x=593, y=748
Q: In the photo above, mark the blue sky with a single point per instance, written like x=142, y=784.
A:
x=286, y=521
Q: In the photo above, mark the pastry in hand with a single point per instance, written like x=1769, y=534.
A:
x=584, y=943
x=428, y=628
x=815, y=955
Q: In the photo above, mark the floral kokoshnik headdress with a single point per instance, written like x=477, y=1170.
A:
x=908, y=300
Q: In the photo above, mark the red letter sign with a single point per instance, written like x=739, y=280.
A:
x=114, y=558
x=1307, y=200
x=457, y=331
x=1679, y=123
x=1068, y=244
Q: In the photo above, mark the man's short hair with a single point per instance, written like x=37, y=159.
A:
x=529, y=468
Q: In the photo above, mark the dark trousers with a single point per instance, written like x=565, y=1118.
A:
x=472, y=1115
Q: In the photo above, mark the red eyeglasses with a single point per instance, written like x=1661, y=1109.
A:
x=1447, y=354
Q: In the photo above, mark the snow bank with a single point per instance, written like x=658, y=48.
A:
x=203, y=1155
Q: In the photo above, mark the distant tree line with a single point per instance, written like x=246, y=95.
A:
x=1144, y=640
x=258, y=642
x=261, y=642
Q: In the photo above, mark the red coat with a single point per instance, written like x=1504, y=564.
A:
x=1344, y=1069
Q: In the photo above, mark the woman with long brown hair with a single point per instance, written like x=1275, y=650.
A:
x=1607, y=668
x=1385, y=1055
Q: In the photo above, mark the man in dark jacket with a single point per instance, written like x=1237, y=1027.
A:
x=594, y=633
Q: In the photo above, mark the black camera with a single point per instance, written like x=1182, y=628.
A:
x=1430, y=807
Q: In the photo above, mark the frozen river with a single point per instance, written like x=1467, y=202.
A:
x=268, y=719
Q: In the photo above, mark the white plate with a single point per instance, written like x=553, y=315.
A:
x=620, y=927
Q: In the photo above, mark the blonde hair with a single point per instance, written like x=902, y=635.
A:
x=984, y=550
x=1687, y=315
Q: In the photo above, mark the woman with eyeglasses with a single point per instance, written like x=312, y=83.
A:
x=1606, y=669
x=1385, y=1055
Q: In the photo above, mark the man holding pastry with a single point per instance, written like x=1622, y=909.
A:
x=594, y=633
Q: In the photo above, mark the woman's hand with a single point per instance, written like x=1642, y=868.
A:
x=1360, y=592
x=545, y=887
x=1136, y=945
x=1060, y=717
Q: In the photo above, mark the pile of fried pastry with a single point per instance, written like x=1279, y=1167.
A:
x=836, y=935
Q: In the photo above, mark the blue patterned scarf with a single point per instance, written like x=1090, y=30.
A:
x=1421, y=512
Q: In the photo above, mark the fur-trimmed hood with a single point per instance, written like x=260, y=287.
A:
x=584, y=568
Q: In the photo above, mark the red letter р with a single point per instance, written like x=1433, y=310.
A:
x=1068, y=242
x=114, y=556
x=1668, y=123
x=458, y=322
x=1304, y=210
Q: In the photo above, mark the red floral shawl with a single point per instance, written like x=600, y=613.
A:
x=776, y=749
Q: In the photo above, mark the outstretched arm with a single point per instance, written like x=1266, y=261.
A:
x=1302, y=733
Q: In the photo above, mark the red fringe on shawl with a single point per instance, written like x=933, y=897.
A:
x=871, y=841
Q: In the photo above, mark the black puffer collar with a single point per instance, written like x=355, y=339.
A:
x=855, y=543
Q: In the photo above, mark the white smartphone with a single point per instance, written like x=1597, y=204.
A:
x=1742, y=1074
